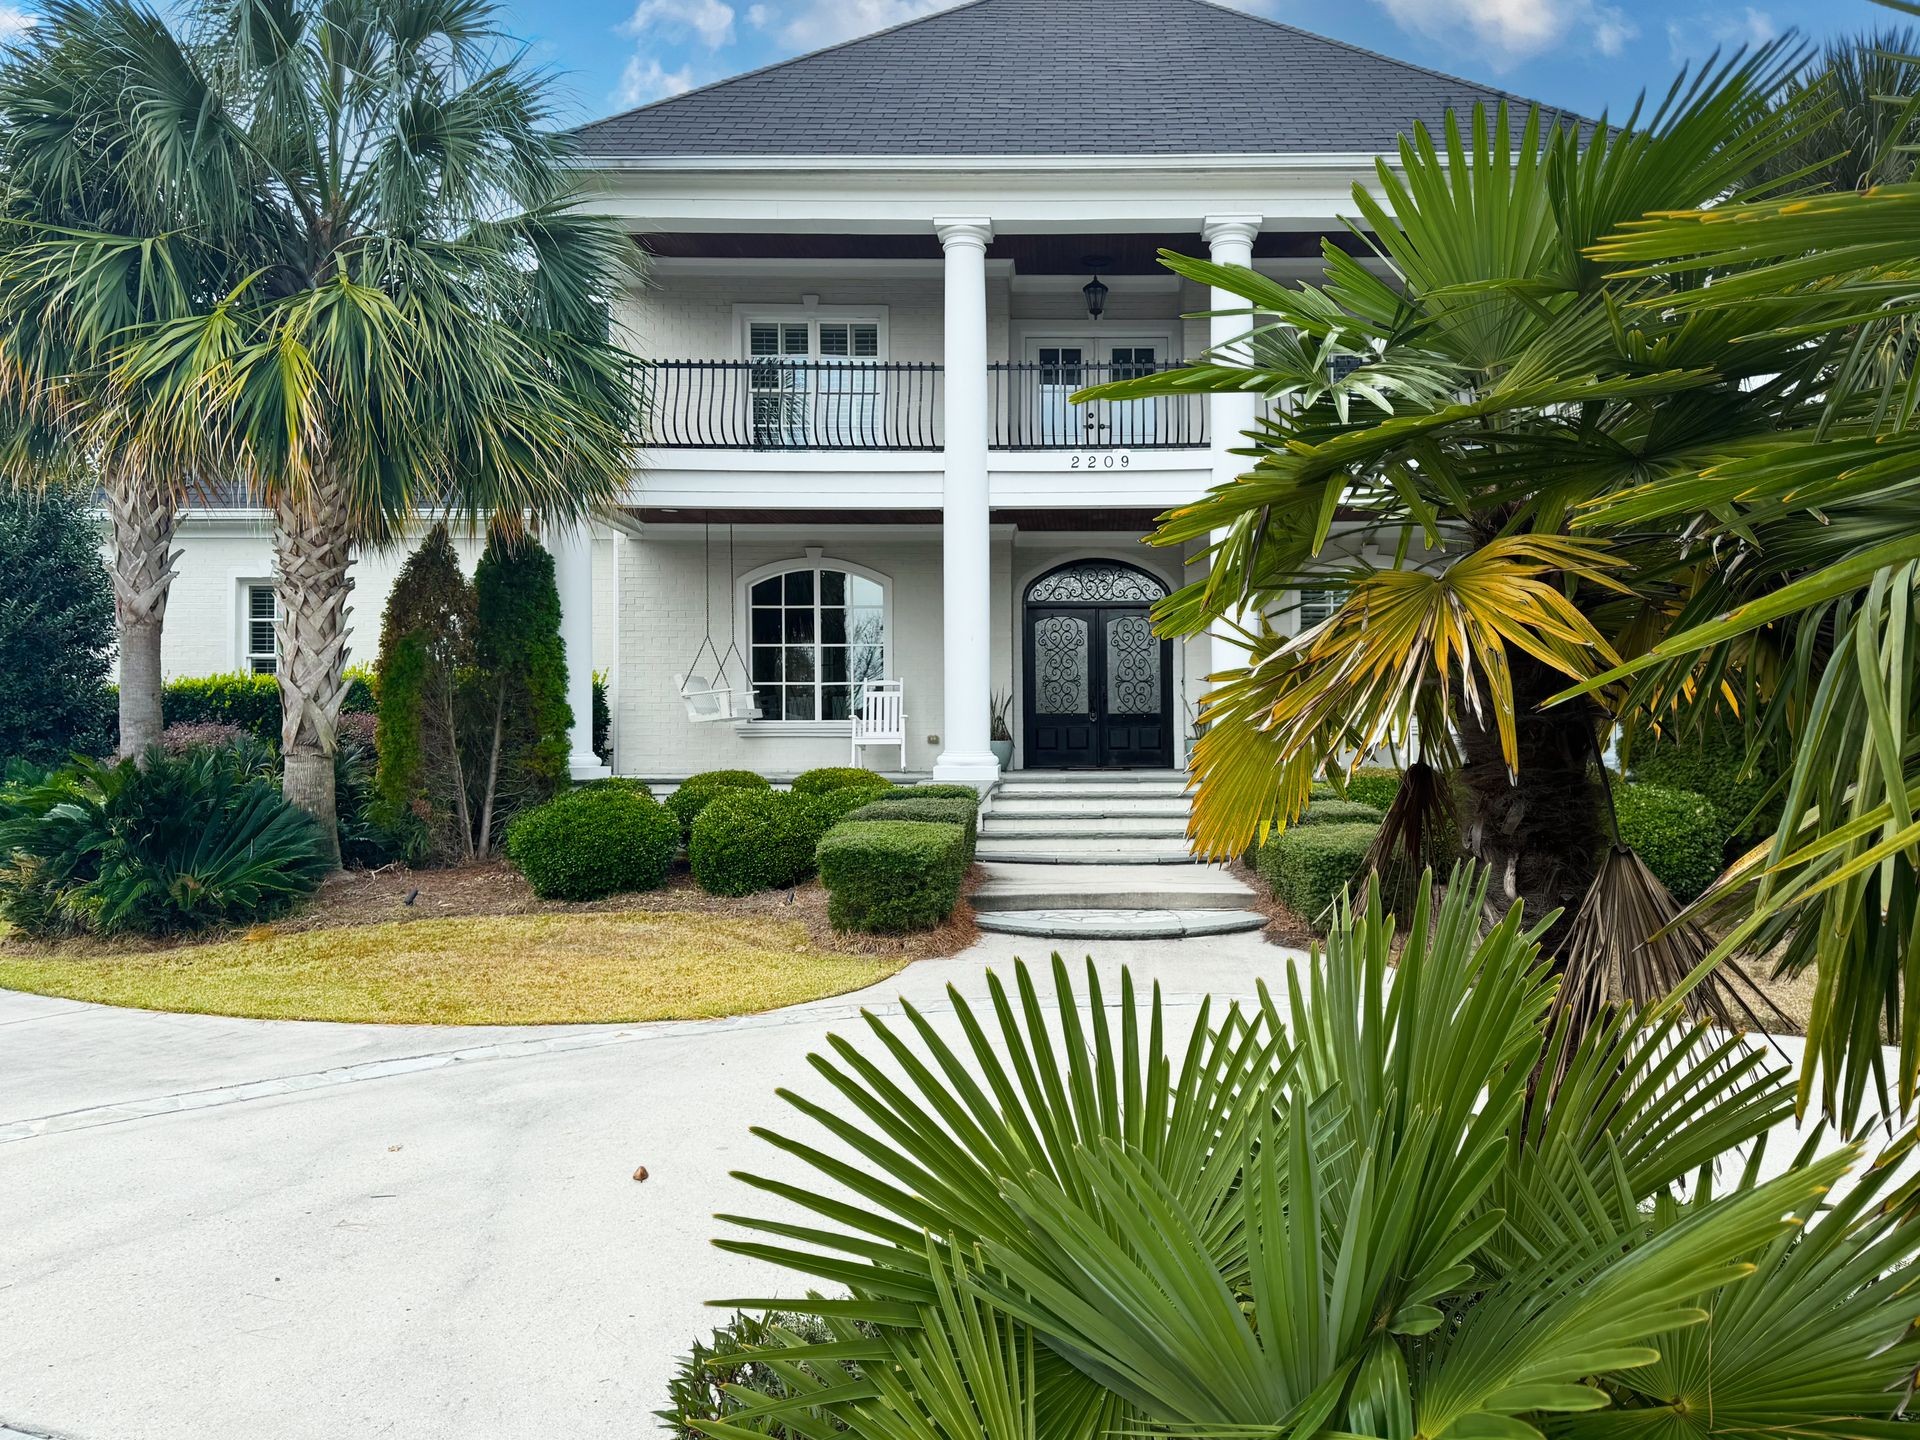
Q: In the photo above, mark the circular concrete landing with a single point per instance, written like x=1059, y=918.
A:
x=1119, y=924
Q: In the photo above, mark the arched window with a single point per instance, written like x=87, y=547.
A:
x=1093, y=581
x=816, y=632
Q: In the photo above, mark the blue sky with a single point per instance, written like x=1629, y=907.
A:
x=1585, y=54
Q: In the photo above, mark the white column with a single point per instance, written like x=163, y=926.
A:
x=967, y=562
x=1229, y=242
x=573, y=577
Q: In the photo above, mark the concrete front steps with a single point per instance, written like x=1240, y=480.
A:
x=1101, y=855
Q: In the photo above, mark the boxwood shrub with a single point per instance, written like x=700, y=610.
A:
x=830, y=778
x=598, y=840
x=1682, y=836
x=1374, y=785
x=1340, y=812
x=746, y=841
x=908, y=806
x=1710, y=764
x=698, y=791
x=1307, y=865
x=892, y=876
x=931, y=791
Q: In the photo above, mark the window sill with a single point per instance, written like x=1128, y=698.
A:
x=792, y=729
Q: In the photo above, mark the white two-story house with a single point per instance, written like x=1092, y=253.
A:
x=876, y=276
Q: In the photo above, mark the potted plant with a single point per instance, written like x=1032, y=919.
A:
x=1000, y=737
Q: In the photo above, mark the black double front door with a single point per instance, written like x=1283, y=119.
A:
x=1099, y=689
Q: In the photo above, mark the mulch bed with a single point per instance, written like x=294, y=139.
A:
x=397, y=893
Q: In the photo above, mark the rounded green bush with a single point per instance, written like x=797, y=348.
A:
x=619, y=782
x=890, y=877
x=698, y=791
x=1373, y=785
x=746, y=841
x=829, y=778
x=593, y=842
x=1682, y=836
x=1713, y=764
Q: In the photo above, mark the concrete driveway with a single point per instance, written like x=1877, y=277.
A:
x=271, y=1231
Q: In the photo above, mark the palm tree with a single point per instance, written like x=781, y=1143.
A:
x=1862, y=98
x=418, y=310
x=75, y=284
x=1348, y=1210
x=1459, y=414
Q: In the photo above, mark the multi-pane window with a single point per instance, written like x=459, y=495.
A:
x=1316, y=606
x=261, y=636
x=812, y=382
x=817, y=634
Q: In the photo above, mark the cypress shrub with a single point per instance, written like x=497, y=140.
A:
x=696, y=792
x=892, y=876
x=746, y=841
x=595, y=841
x=426, y=648
x=1682, y=836
x=516, y=712
x=56, y=631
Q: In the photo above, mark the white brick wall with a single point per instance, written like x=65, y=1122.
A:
x=203, y=634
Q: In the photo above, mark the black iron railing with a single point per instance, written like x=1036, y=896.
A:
x=1033, y=410
x=779, y=404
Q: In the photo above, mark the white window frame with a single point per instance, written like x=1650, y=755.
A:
x=813, y=314
x=814, y=559
x=1301, y=622
x=244, y=652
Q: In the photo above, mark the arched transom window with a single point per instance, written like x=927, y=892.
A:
x=1093, y=582
x=816, y=633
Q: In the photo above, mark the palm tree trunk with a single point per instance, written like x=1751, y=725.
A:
x=142, y=515
x=312, y=547
x=1542, y=832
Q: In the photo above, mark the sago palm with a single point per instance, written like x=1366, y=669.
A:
x=1351, y=1209
x=417, y=310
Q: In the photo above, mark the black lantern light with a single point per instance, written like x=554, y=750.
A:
x=1095, y=292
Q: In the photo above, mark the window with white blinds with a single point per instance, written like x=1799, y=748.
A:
x=813, y=382
x=259, y=634
x=1316, y=606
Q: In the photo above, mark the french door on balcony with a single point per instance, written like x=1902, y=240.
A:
x=814, y=384
x=1057, y=368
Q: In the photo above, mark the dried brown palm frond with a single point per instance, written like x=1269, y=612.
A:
x=1632, y=944
x=1417, y=835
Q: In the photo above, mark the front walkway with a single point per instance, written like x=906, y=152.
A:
x=224, y=1228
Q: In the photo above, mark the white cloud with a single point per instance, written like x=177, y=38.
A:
x=644, y=81
x=15, y=22
x=1692, y=38
x=708, y=21
x=809, y=24
x=1510, y=31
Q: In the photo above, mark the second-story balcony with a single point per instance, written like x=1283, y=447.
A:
x=877, y=405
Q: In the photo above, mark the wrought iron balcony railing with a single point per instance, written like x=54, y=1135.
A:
x=780, y=404
x=1033, y=410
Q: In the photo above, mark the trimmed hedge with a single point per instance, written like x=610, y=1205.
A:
x=908, y=806
x=829, y=778
x=746, y=841
x=892, y=876
x=1710, y=765
x=699, y=791
x=1373, y=785
x=618, y=782
x=598, y=840
x=1306, y=866
x=943, y=792
x=251, y=702
x=1340, y=812
x=1682, y=836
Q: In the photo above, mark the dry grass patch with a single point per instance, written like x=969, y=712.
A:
x=526, y=969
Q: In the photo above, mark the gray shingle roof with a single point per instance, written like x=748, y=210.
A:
x=1054, y=77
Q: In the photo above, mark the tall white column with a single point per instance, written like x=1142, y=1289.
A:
x=572, y=550
x=965, y=756
x=1229, y=242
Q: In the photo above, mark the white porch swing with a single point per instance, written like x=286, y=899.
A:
x=712, y=699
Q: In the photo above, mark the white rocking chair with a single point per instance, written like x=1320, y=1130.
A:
x=880, y=717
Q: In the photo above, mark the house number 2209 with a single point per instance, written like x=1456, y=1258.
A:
x=1100, y=460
